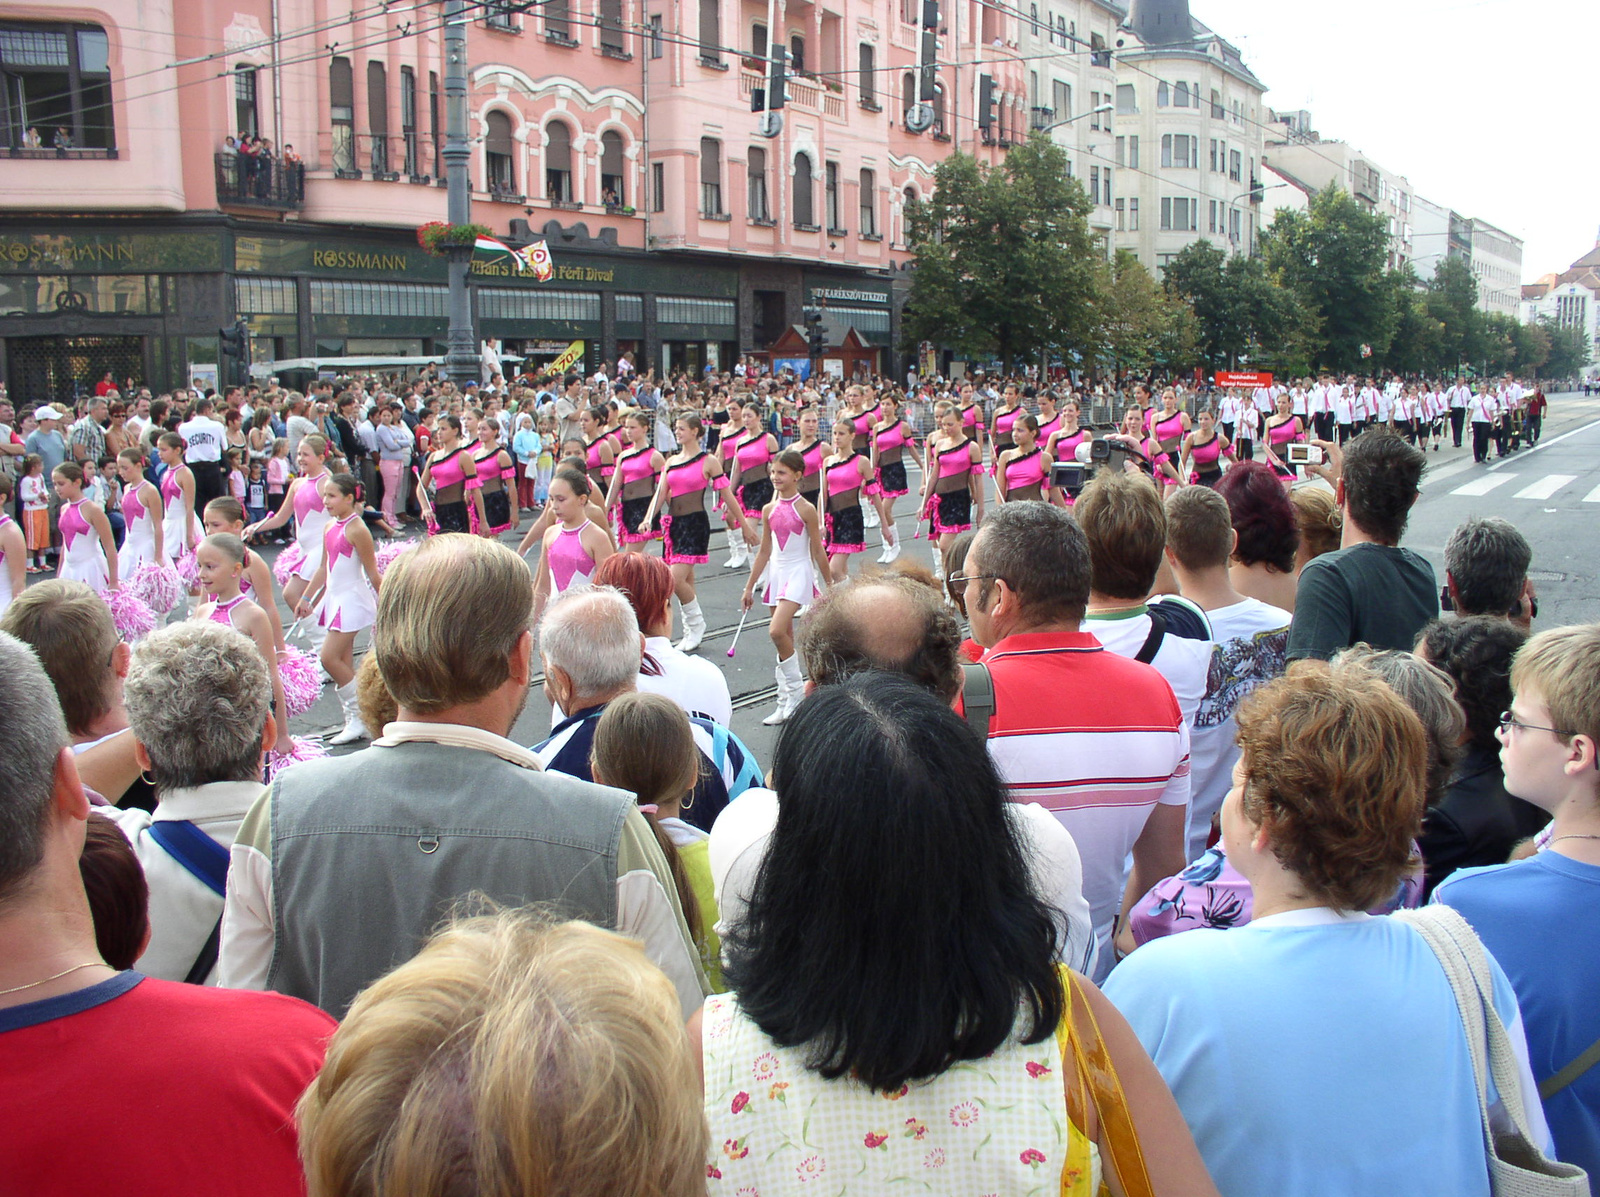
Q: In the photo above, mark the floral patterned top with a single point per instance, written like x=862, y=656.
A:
x=981, y=1129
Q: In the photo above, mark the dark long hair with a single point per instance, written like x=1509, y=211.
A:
x=894, y=929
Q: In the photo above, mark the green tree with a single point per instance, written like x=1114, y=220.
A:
x=1240, y=312
x=1416, y=347
x=1006, y=264
x=1569, y=350
x=1331, y=256
x=1532, y=349
x=1134, y=314
x=1452, y=302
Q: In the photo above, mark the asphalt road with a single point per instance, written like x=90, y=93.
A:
x=1552, y=493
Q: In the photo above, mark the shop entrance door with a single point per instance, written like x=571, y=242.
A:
x=63, y=369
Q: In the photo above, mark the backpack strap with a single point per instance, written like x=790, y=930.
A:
x=1152, y=642
x=1552, y=1085
x=196, y=851
x=977, y=696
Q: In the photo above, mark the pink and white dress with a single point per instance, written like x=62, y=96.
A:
x=571, y=567
x=791, y=574
x=223, y=612
x=311, y=523
x=348, y=604
x=172, y=539
x=83, y=559
x=5, y=575
x=139, y=544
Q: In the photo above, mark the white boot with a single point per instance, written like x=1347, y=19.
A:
x=694, y=627
x=791, y=688
x=738, y=551
x=869, y=515
x=354, y=729
x=891, y=545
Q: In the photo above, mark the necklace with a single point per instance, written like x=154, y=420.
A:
x=56, y=977
x=1572, y=836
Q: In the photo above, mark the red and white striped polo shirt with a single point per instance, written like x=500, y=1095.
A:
x=1095, y=738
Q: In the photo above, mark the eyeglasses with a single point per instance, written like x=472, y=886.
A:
x=963, y=579
x=1508, y=721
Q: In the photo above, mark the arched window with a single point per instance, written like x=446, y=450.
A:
x=558, y=163
x=613, y=188
x=1181, y=99
x=1163, y=99
x=804, y=213
x=499, y=154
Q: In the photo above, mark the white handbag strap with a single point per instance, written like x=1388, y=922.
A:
x=1466, y=966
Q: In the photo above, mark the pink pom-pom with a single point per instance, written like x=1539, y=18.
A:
x=390, y=552
x=157, y=586
x=187, y=569
x=132, y=618
x=291, y=559
x=303, y=750
x=302, y=685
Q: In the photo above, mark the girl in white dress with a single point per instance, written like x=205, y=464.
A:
x=219, y=564
x=789, y=566
x=141, y=513
x=347, y=579
x=88, y=550
x=303, y=500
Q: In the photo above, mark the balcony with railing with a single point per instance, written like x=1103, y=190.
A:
x=246, y=182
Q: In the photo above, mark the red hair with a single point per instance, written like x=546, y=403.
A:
x=1262, y=515
x=647, y=583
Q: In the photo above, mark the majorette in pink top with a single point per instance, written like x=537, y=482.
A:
x=570, y=563
x=1025, y=470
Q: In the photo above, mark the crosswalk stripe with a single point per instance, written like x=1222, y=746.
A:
x=1545, y=487
x=1593, y=496
x=1483, y=485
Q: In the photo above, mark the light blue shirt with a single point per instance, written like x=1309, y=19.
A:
x=1316, y=1054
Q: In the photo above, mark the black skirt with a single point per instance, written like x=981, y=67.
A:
x=452, y=517
x=953, y=512
x=814, y=497
x=754, y=496
x=689, y=536
x=497, y=507
x=633, y=512
x=847, y=526
x=892, y=478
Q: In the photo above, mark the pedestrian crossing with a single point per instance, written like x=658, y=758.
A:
x=1535, y=487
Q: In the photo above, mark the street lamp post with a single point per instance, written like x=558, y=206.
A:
x=461, y=358
x=1091, y=112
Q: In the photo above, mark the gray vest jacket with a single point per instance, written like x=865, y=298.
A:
x=370, y=851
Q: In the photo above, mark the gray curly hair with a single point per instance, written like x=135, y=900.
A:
x=197, y=696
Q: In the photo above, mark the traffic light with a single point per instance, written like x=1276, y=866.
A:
x=236, y=344
x=777, y=72
x=816, y=333
x=985, y=102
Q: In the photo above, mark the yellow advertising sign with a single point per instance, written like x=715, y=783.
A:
x=565, y=362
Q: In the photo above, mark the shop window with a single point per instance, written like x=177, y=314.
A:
x=55, y=88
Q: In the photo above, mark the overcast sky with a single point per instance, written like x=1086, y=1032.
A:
x=1487, y=106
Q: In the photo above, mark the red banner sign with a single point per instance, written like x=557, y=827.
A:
x=1243, y=379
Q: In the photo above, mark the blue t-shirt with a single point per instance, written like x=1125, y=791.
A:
x=1537, y=917
x=1313, y=1054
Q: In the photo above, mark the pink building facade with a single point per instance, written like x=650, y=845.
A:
x=621, y=131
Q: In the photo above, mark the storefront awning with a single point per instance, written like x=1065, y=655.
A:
x=268, y=369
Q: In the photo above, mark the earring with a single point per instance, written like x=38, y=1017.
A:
x=145, y=777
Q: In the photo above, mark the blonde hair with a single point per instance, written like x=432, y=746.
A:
x=1319, y=518
x=378, y=708
x=1563, y=665
x=512, y=1056
x=449, y=615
